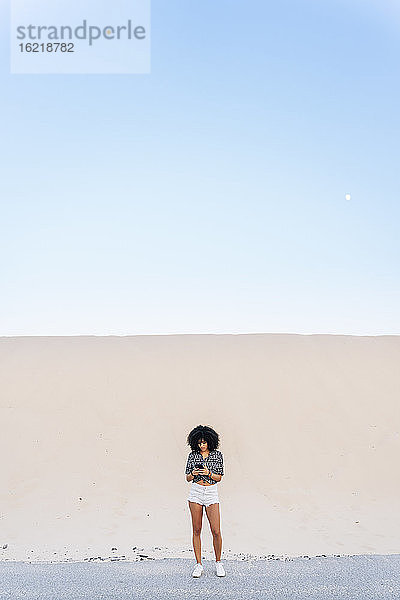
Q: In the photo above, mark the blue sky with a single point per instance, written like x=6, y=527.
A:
x=209, y=196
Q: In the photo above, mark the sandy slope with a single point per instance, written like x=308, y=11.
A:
x=94, y=429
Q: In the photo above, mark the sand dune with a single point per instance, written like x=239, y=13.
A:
x=94, y=429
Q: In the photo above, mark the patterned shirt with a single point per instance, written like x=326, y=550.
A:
x=214, y=462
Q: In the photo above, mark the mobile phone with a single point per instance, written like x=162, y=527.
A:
x=199, y=466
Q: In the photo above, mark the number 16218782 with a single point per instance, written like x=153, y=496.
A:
x=49, y=47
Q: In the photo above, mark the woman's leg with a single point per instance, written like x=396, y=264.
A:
x=213, y=516
x=196, y=510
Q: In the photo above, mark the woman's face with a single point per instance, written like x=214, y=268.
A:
x=203, y=446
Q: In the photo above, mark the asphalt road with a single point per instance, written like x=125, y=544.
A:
x=316, y=578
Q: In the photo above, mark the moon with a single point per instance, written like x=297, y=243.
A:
x=348, y=196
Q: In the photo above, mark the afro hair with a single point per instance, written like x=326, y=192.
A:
x=203, y=432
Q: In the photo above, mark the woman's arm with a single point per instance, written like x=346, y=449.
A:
x=190, y=476
x=189, y=468
x=213, y=476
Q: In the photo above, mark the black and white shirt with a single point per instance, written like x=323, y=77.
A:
x=214, y=462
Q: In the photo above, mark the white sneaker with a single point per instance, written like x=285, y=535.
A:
x=197, y=571
x=220, y=569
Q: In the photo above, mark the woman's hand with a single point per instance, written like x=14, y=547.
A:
x=204, y=471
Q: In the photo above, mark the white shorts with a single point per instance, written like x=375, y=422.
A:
x=204, y=494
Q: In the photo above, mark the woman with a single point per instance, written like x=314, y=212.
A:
x=204, y=468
